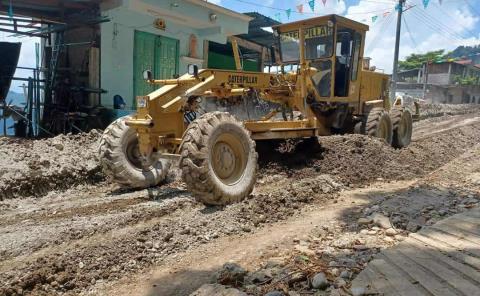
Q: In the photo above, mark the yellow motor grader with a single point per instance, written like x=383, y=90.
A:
x=328, y=90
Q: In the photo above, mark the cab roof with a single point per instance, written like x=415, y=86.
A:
x=346, y=22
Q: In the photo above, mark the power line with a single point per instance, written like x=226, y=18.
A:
x=453, y=18
x=446, y=35
x=311, y=13
x=386, y=22
x=435, y=29
x=409, y=33
x=437, y=23
x=426, y=18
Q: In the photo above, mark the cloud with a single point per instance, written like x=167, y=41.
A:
x=437, y=27
x=330, y=7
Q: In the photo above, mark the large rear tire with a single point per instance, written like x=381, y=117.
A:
x=120, y=158
x=402, y=123
x=378, y=124
x=218, y=159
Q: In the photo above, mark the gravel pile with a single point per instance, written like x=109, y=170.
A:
x=358, y=159
x=35, y=167
x=433, y=110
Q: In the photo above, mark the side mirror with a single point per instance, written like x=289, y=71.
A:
x=147, y=75
x=192, y=70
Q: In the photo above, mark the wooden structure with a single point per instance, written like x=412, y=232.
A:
x=443, y=259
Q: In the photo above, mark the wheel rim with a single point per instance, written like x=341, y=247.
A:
x=228, y=159
x=383, y=130
x=133, y=155
x=404, y=126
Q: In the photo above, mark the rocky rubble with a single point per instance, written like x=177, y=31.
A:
x=171, y=221
x=360, y=160
x=433, y=110
x=35, y=167
x=86, y=265
x=327, y=260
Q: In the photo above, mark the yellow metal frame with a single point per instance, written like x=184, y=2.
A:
x=159, y=120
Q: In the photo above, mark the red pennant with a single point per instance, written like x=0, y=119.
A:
x=300, y=8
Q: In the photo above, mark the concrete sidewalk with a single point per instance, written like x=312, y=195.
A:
x=443, y=259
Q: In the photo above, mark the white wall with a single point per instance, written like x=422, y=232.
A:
x=117, y=37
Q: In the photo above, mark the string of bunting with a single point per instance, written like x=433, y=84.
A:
x=300, y=8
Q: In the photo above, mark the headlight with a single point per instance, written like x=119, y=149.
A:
x=142, y=102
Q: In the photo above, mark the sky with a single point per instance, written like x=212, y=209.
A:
x=443, y=24
x=439, y=26
x=26, y=59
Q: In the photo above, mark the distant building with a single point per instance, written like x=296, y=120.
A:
x=448, y=73
x=453, y=82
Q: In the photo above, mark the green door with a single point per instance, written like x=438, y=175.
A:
x=156, y=53
x=166, y=57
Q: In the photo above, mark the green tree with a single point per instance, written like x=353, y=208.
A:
x=414, y=61
x=467, y=80
x=464, y=51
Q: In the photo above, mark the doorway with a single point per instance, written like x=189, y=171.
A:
x=156, y=53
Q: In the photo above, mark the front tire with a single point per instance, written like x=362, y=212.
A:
x=378, y=124
x=402, y=123
x=120, y=158
x=218, y=159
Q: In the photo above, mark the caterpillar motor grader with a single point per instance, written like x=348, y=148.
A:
x=328, y=91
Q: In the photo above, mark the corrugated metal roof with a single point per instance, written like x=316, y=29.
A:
x=463, y=62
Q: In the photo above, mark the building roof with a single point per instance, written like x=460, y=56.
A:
x=221, y=9
x=258, y=29
x=463, y=62
x=313, y=21
x=46, y=9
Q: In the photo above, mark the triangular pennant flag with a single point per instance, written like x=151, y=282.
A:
x=374, y=18
x=10, y=10
x=288, y=12
x=386, y=13
x=300, y=8
x=312, y=4
x=324, y=1
x=277, y=17
x=425, y=3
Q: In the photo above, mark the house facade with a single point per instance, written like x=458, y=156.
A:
x=162, y=36
x=451, y=82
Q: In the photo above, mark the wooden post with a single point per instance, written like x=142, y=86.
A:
x=263, y=57
x=236, y=55
x=94, y=75
x=205, y=53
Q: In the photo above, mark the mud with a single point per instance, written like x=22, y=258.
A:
x=35, y=167
x=434, y=110
x=360, y=160
x=78, y=240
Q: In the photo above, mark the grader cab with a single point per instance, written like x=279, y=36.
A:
x=197, y=119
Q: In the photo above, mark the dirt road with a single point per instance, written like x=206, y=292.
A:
x=97, y=239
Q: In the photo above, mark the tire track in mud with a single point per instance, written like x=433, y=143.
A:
x=285, y=185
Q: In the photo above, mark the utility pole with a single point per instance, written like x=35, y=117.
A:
x=397, y=48
x=425, y=78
